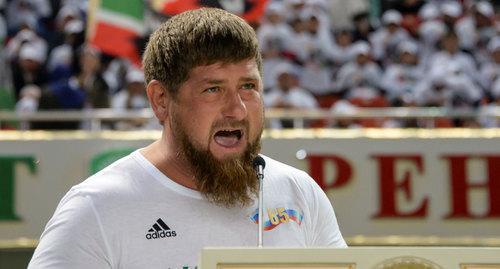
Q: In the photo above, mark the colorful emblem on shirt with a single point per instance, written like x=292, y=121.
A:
x=278, y=216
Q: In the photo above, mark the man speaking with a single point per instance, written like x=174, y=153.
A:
x=196, y=186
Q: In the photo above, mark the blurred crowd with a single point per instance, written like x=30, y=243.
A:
x=47, y=65
x=420, y=54
x=433, y=53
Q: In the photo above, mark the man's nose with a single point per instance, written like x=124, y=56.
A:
x=234, y=106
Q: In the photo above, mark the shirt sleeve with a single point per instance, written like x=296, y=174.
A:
x=73, y=238
x=326, y=231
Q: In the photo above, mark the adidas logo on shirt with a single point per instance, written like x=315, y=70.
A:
x=160, y=230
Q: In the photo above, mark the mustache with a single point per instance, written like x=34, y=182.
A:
x=234, y=124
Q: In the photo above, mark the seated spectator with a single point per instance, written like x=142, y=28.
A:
x=288, y=94
x=274, y=37
x=26, y=35
x=294, y=9
x=341, y=54
x=475, y=30
x=362, y=27
x=385, y=39
x=359, y=72
x=317, y=73
x=400, y=78
x=133, y=97
x=490, y=71
x=430, y=33
x=448, y=87
x=466, y=93
x=66, y=14
x=274, y=32
x=303, y=45
x=429, y=12
x=450, y=54
x=90, y=78
x=29, y=68
x=451, y=12
x=343, y=41
x=60, y=63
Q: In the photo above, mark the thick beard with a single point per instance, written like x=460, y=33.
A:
x=230, y=182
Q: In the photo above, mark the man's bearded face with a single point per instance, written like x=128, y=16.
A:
x=228, y=182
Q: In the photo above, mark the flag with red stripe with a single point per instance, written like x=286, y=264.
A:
x=250, y=10
x=115, y=25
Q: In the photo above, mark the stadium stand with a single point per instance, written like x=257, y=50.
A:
x=433, y=53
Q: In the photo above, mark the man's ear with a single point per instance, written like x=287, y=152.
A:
x=158, y=98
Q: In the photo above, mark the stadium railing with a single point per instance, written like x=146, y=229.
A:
x=299, y=117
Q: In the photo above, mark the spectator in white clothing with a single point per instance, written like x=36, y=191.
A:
x=274, y=37
x=475, y=30
x=288, y=94
x=386, y=38
x=344, y=41
x=61, y=57
x=132, y=97
x=429, y=12
x=317, y=73
x=274, y=33
x=451, y=11
x=448, y=87
x=28, y=68
x=450, y=54
x=400, y=78
x=294, y=9
x=490, y=71
x=430, y=33
x=360, y=72
x=303, y=44
x=26, y=35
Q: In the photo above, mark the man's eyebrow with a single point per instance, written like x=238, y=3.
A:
x=222, y=81
x=251, y=78
x=211, y=81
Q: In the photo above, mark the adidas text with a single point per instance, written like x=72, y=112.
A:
x=161, y=234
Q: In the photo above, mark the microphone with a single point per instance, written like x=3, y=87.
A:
x=258, y=165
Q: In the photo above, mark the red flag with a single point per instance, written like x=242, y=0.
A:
x=250, y=10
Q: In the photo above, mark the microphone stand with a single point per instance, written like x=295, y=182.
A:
x=259, y=164
x=260, y=176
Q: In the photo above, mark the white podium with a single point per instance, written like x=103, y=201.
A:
x=352, y=258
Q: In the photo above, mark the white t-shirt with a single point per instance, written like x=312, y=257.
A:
x=130, y=215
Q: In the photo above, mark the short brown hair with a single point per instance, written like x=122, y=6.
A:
x=194, y=38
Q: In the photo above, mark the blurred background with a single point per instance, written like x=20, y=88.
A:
x=392, y=106
x=331, y=57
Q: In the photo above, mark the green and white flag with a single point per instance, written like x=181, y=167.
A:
x=114, y=26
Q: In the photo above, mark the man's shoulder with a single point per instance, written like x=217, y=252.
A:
x=281, y=171
x=289, y=180
x=118, y=179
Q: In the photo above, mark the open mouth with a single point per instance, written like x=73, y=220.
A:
x=228, y=138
